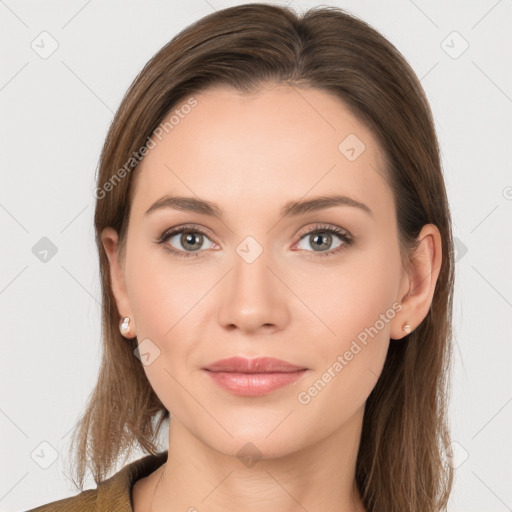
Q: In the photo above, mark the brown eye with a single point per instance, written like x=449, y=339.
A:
x=191, y=240
x=320, y=240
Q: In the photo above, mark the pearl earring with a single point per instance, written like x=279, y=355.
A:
x=124, y=327
x=407, y=328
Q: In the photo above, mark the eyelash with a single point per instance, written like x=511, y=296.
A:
x=341, y=233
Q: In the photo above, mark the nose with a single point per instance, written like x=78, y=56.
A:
x=252, y=297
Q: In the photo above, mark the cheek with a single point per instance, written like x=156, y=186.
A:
x=162, y=291
x=355, y=305
x=350, y=354
x=165, y=297
x=348, y=300
x=162, y=297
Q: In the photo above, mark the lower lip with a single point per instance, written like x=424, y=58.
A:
x=254, y=384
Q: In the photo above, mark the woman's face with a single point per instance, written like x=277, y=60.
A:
x=261, y=279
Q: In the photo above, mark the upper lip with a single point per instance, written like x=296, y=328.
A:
x=257, y=365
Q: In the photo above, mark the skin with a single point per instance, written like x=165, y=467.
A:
x=251, y=154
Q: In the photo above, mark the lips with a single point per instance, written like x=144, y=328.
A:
x=258, y=365
x=253, y=377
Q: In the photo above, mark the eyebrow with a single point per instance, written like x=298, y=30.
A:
x=291, y=208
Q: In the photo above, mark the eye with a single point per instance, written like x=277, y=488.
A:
x=322, y=237
x=186, y=241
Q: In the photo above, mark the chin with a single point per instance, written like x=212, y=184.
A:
x=250, y=449
x=260, y=439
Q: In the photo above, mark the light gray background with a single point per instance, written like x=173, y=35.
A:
x=55, y=115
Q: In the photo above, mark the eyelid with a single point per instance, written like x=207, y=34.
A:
x=327, y=227
x=175, y=230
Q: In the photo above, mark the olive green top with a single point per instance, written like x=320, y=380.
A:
x=113, y=494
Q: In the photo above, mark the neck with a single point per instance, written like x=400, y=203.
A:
x=319, y=477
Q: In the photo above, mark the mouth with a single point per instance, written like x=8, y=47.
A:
x=253, y=377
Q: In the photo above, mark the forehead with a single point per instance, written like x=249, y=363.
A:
x=277, y=144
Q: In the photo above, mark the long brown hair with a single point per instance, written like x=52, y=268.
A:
x=401, y=464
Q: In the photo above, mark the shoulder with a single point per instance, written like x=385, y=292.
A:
x=113, y=494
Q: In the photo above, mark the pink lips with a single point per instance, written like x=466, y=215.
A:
x=253, y=377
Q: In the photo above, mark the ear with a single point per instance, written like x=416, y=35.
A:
x=418, y=285
x=110, y=240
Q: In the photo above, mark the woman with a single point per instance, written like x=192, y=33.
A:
x=277, y=272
